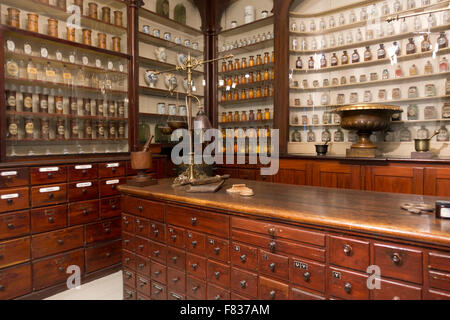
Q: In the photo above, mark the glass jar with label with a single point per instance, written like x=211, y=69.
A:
x=428, y=69
x=11, y=100
x=413, y=112
x=311, y=136
x=442, y=40
x=60, y=129
x=121, y=129
x=74, y=129
x=398, y=71
x=385, y=74
x=430, y=90
x=101, y=130
x=111, y=108
x=29, y=128
x=381, y=52
x=355, y=56
x=426, y=44
x=45, y=129
x=344, y=58
x=410, y=46
x=405, y=135
x=443, y=65
x=43, y=101
x=311, y=63
x=13, y=128
x=258, y=76
x=86, y=106
x=259, y=115
x=88, y=129
x=334, y=60
x=121, y=109
x=112, y=131
x=59, y=102
x=413, y=70
x=443, y=134
x=323, y=61
x=12, y=68
x=266, y=114
x=422, y=133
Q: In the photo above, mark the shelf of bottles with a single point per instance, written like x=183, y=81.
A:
x=165, y=40
x=66, y=85
x=245, y=82
x=354, y=55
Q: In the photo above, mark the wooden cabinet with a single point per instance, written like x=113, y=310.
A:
x=398, y=179
x=437, y=181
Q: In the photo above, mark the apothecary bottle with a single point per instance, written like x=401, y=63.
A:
x=258, y=76
x=243, y=94
x=11, y=100
x=266, y=57
x=426, y=44
x=258, y=60
x=298, y=63
x=266, y=114
x=266, y=75
x=244, y=116
x=428, y=69
x=443, y=65
x=236, y=117
x=344, y=58
x=367, y=54
x=334, y=60
x=323, y=61
x=237, y=64
x=410, y=46
x=59, y=102
x=259, y=115
x=251, y=116
x=258, y=92
x=443, y=134
x=381, y=52
x=251, y=61
x=43, y=101
x=311, y=63
x=355, y=56
x=442, y=40
x=266, y=91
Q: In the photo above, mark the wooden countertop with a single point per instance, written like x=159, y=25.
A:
x=376, y=213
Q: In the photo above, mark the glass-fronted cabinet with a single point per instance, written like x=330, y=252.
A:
x=245, y=82
x=351, y=54
x=65, y=77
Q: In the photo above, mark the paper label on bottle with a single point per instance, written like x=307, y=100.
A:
x=44, y=52
x=121, y=67
x=98, y=63
x=10, y=45
x=9, y=196
x=72, y=58
x=445, y=212
x=110, y=65
x=49, y=189
x=31, y=70
x=85, y=60
x=83, y=167
x=67, y=75
x=8, y=173
x=58, y=55
x=27, y=49
x=83, y=184
x=112, y=165
x=49, y=169
x=50, y=73
x=115, y=181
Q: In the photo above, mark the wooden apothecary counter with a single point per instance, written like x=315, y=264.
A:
x=286, y=242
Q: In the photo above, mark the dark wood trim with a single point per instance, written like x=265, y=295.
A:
x=3, y=123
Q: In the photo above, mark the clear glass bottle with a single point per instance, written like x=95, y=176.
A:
x=359, y=36
x=50, y=73
x=417, y=24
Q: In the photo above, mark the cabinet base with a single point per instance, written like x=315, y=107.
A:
x=361, y=153
x=422, y=155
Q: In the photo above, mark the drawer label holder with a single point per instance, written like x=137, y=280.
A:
x=49, y=189
x=115, y=181
x=49, y=169
x=83, y=167
x=112, y=165
x=8, y=173
x=9, y=196
x=83, y=184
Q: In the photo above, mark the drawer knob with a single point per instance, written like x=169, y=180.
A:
x=176, y=296
x=113, y=187
x=156, y=253
x=60, y=241
x=51, y=195
x=348, y=250
x=272, y=231
x=50, y=175
x=157, y=273
x=243, y=283
x=141, y=265
x=272, y=246
x=107, y=230
x=140, y=208
x=113, y=170
x=174, y=237
x=243, y=258
x=141, y=246
x=114, y=207
x=128, y=274
x=108, y=254
x=194, y=266
x=272, y=294
x=127, y=241
x=194, y=289
x=272, y=267
x=307, y=276
x=85, y=212
x=10, y=226
x=348, y=287
x=128, y=294
x=83, y=172
x=396, y=258
x=194, y=243
x=217, y=274
x=83, y=191
x=127, y=260
x=61, y=269
x=175, y=280
x=2, y=288
x=217, y=297
x=10, y=201
x=142, y=282
x=141, y=227
x=217, y=250
x=126, y=223
x=158, y=289
x=193, y=221
x=155, y=232
x=50, y=219
x=174, y=259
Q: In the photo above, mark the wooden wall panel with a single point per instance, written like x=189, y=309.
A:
x=336, y=175
x=392, y=178
x=437, y=182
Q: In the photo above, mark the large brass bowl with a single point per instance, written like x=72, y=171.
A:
x=365, y=119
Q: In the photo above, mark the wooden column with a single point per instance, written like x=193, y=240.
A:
x=3, y=123
x=133, y=72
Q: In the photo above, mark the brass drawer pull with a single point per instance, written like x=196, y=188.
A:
x=272, y=231
x=114, y=207
x=194, y=243
x=272, y=294
x=128, y=294
x=272, y=246
x=107, y=230
x=50, y=175
x=272, y=267
x=127, y=241
x=396, y=258
x=348, y=287
x=307, y=276
x=83, y=191
x=83, y=172
x=217, y=274
x=194, y=266
x=348, y=250
x=193, y=221
x=126, y=223
x=243, y=258
x=243, y=283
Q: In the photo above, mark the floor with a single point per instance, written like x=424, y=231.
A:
x=106, y=288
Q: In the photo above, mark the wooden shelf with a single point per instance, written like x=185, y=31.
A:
x=160, y=42
x=155, y=17
x=59, y=14
x=25, y=34
x=163, y=65
x=250, y=48
x=248, y=27
x=157, y=115
x=256, y=122
x=332, y=11
x=375, y=82
x=314, y=125
x=64, y=116
x=248, y=85
x=368, y=42
x=401, y=58
x=69, y=65
x=419, y=121
x=162, y=93
x=438, y=5
x=61, y=141
x=246, y=101
x=47, y=84
x=260, y=67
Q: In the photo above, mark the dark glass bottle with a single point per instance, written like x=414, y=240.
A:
x=344, y=58
x=367, y=54
x=334, y=60
x=381, y=53
x=410, y=46
x=355, y=56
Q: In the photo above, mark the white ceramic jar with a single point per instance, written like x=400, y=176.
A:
x=249, y=14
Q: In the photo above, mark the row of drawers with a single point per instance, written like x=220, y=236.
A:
x=16, y=177
x=22, y=279
x=19, y=250
x=45, y=219
x=20, y=198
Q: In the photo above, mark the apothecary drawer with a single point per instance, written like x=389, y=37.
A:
x=195, y=288
x=392, y=290
x=143, y=285
x=14, y=199
x=348, y=252
x=217, y=293
x=103, y=255
x=208, y=222
x=280, y=231
x=14, y=177
x=158, y=252
x=128, y=241
x=439, y=280
x=176, y=280
x=399, y=262
x=83, y=212
x=274, y=264
x=82, y=172
x=244, y=256
x=347, y=284
x=53, y=242
x=158, y=291
x=14, y=251
x=103, y=231
x=110, y=207
x=439, y=260
x=111, y=169
x=272, y=290
x=302, y=294
x=218, y=274
x=307, y=273
x=158, y=272
x=175, y=237
x=14, y=224
x=15, y=281
x=141, y=227
x=128, y=259
x=157, y=231
x=49, y=218
x=128, y=223
x=129, y=278
x=217, y=248
x=48, y=195
x=195, y=242
x=129, y=294
x=50, y=271
x=47, y=175
x=142, y=246
x=143, y=208
x=85, y=190
x=176, y=258
x=109, y=187
x=244, y=282
x=196, y=265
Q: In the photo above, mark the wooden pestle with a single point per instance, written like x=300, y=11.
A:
x=147, y=144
